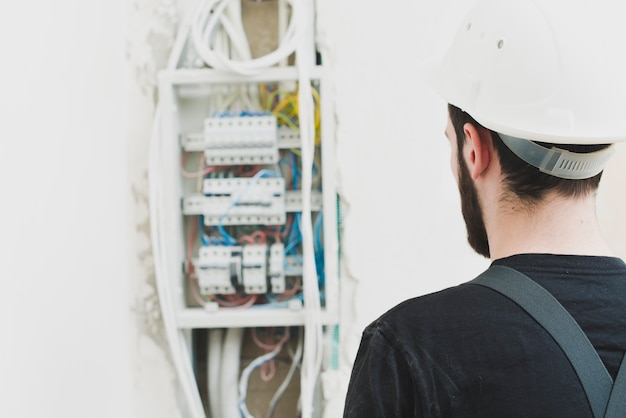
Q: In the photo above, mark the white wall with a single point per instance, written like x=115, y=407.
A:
x=64, y=306
x=150, y=34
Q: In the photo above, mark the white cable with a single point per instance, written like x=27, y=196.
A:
x=229, y=40
x=313, y=336
x=201, y=37
x=174, y=335
x=245, y=376
x=180, y=41
x=231, y=355
x=292, y=370
x=214, y=371
x=235, y=23
x=210, y=15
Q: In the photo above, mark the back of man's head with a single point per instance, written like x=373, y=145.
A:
x=529, y=184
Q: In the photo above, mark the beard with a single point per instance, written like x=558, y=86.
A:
x=472, y=211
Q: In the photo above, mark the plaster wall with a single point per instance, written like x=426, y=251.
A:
x=64, y=300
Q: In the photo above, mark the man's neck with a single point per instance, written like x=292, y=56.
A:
x=558, y=225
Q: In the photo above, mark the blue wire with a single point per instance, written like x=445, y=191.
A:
x=229, y=240
x=203, y=237
x=318, y=231
x=243, y=113
x=216, y=241
x=319, y=249
x=294, y=171
x=315, y=169
x=294, y=237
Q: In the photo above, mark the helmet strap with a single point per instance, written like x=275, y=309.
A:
x=558, y=162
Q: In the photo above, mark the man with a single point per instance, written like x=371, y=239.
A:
x=541, y=100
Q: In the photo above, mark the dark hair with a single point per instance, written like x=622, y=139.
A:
x=527, y=182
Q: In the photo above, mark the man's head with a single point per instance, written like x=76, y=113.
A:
x=545, y=102
x=521, y=182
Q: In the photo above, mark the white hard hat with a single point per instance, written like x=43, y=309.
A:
x=541, y=70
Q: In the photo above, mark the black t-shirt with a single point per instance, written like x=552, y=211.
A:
x=468, y=351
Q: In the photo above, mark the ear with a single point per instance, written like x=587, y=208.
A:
x=478, y=149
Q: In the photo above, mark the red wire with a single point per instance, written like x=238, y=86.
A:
x=261, y=235
x=295, y=289
x=265, y=375
x=247, y=239
x=268, y=347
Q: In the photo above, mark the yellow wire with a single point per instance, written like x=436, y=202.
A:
x=270, y=98
x=263, y=93
x=287, y=109
x=287, y=121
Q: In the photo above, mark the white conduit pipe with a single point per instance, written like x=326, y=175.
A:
x=175, y=337
x=216, y=337
x=229, y=377
x=241, y=51
x=313, y=344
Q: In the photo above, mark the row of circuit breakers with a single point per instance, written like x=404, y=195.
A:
x=251, y=139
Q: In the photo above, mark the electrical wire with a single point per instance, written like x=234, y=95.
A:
x=245, y=376
x=231, y=360
x=210, y=15
x=319, y=251
x=177, y=341
x=264, y=346
x=287, y=109
x=295, y=236
x=267, y=376
x=288, y=378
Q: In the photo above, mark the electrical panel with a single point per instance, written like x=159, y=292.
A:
x=243, y=182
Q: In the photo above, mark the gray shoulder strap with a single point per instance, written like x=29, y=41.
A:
x=551, y=315
x=617, y=400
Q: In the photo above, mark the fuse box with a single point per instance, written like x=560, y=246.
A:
x=243, y=174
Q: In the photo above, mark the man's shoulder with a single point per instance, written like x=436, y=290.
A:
x=460, y=307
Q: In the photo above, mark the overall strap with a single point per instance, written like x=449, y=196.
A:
x=551, y=315
x=617, y=400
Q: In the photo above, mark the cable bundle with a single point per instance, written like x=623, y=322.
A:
x=212, y=14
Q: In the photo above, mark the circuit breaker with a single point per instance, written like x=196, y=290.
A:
x=231, y=140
